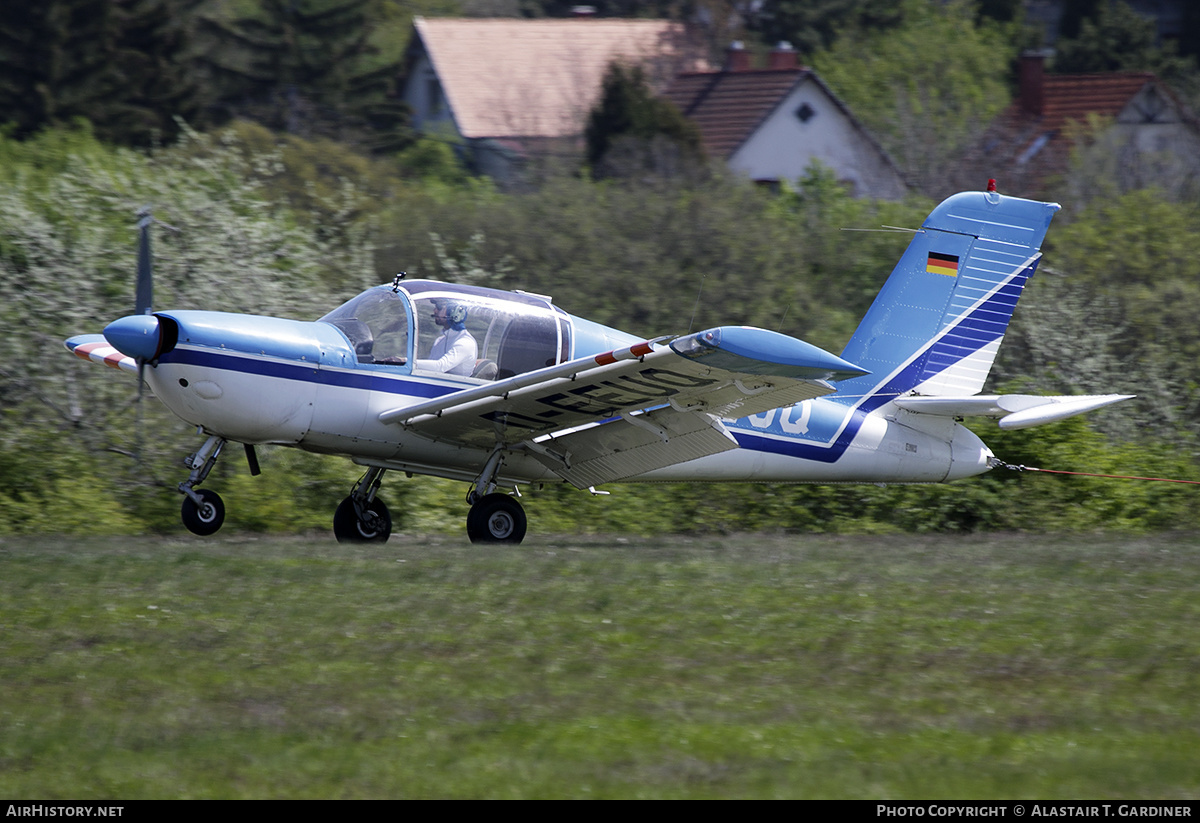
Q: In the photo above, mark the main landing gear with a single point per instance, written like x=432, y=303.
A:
x=362, y=517
x=494, y=517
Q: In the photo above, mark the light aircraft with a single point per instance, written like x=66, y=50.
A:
x=539, y=395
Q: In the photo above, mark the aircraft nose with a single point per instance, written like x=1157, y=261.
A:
x=138, y=336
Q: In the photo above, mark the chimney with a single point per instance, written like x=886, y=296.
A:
x=1030, y=75
x=783, y=56
x=736, y=57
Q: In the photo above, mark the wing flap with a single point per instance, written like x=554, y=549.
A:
x=630, y=445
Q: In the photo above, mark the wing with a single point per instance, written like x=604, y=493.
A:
x=624, y=412
x=95, y=348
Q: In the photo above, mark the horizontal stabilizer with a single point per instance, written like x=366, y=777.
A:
x=1015, y=411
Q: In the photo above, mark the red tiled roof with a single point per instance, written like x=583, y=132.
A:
x=1027, y=149
x=539, y=78
x=728, y=106
x=1072, y=97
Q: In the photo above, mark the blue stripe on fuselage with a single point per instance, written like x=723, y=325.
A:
x=309, y=373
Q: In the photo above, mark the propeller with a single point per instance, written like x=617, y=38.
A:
x=143, y=303
x=139, y=335
x=145, y=264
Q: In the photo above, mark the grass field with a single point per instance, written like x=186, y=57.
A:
x=1008, y=666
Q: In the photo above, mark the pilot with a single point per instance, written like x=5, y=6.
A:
x=455, y=350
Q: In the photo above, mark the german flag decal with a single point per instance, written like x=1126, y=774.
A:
x=942, y=264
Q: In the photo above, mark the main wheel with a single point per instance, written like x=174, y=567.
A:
x=206, y=518
x=496, y=518
x=376, y=526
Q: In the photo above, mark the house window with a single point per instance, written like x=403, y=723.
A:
x=805, y=113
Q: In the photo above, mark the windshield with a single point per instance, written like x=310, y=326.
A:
x=377, y=324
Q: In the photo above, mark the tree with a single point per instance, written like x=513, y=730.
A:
x=813, y=25
x=117, y=63
x=1112, y=38
x=631, y=131
x=152, y=56
x=306, y=67
x=52, y=62
x=924, y=88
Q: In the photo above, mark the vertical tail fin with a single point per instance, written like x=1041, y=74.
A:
x=937, y=323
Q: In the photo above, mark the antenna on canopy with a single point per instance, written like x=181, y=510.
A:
x=781, y=319
x=695, y=306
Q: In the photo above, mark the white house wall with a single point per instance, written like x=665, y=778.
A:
x=784, y=147
x=424, y=93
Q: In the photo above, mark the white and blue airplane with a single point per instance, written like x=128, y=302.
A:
x=504, y=388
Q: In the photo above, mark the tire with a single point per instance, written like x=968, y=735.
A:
x=496, y=518
x=347, y=528
x=206, y=518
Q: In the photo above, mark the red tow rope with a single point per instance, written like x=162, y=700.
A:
x=1088, y=474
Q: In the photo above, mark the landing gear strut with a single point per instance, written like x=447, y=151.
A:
x=494, y=517
x=362, y=517
x=203, y=510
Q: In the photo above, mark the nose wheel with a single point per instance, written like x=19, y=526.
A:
x=496, y=518
x=203, y=517
x=362, y=517
x=203, y=510
x=374, y=525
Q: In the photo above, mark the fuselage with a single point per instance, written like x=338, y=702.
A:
x=322, y=385
x=500, y=388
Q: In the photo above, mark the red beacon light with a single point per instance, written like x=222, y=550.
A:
x=993, y=196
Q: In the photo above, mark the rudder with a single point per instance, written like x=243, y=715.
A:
x=938, y=321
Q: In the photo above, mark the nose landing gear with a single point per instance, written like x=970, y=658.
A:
x=362, y=517
x=205, y=517
x=203, y=510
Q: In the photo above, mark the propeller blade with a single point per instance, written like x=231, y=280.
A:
x=145, y=273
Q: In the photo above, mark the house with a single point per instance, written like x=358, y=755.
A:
x=773, y=123
x=506, y=89
x=1028, y=147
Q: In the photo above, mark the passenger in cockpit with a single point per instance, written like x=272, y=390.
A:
x=455, y=350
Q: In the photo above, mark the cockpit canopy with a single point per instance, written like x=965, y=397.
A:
x=513, y=332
